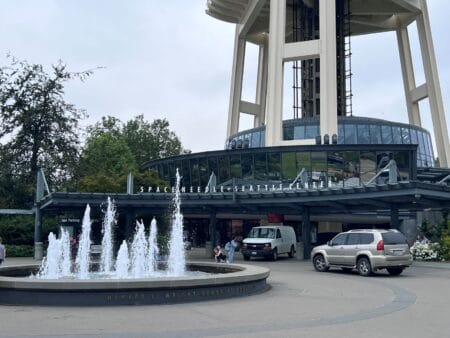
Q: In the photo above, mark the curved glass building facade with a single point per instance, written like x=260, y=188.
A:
x=351, y=130
x=325, y=165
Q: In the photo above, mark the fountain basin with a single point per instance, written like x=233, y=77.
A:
x=225, y=281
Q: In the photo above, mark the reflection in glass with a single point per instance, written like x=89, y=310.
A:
x=403, y=165
x=311, y=131
x=273, y=166
x=397, y=135
x=203, y=171
x=375, y=134
x=224, y=169
x=363, y=134
x=406, y=139
x=288, y=166
x=299, y=132
x=288, y=133
x=260, y=166
x=256, y=139
x=185, y=171
x=341, y=134
x=247, y=166
x=350, y=134
x=195, y=179
x=235, y=166
x=335, y=169
x=351, y=168
x=368, y=163
x=386, y=135
x=318, y=168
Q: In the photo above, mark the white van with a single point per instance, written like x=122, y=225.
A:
x=269, y=241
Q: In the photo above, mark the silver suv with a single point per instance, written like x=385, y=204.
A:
x=365, y=250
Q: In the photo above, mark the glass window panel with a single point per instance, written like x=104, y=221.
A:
x=288, y=133
x=186, y=173
x=318, y=168
x=299, y=132
x=421, y=149
x=341, y=134
x=414, y=137
x=247, y=166
x=386, y=135
x=274, y=166
x=375, y=134
x=260, y=166
x=351, y=168
x=235, y=166
x=213, y=166
x=195, y=179
x=263, y=138
x=256, y=139
x=224, y=169
x=383, y=159
x=335, y=168
x=403, y=160
x=203, y=171
x=303, y=161
x=288, y=166
x=406, y=138
x=350, y=134
x=397, y=135
x=368, y=165
x=311, y=131
x=363, y=134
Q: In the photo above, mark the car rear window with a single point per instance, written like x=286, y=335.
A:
x=393, y=238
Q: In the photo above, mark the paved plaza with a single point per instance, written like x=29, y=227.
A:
x=300, y=303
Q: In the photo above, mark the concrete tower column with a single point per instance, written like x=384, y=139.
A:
x=433, y=86
x=328, y=81
x=237, y=76
x=274, y=103
x=261, y=85
x=409, y=81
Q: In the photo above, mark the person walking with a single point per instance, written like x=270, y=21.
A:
x=2, y=251
x=233, y=244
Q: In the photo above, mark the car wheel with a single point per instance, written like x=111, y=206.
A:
x=395, y=271
x=246, y=257
x=319, y=263
x=292, y=252
x=275, y=254
x=364, y=267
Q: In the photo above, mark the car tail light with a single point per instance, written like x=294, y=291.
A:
x=380, y=246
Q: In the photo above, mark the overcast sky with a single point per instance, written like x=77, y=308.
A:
x=168, y=59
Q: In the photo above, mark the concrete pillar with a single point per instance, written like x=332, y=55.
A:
x=395, y=220
x=237, y=76
x=261, y=85
x=275, y=77
x=38, y=245
x=328, y=68
x=306, y=233
x=409, y=81
x=212, y=234
x=433, y=86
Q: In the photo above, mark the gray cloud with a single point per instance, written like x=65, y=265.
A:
x=169, y=59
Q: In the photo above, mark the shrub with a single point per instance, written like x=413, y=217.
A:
x=445, y=247
x=19, y=250
x=425, y=251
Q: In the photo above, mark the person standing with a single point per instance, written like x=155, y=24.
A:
x=231, y=249
x=2, y=252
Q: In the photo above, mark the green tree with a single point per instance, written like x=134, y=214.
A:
x=105, y=163
x=38, y=124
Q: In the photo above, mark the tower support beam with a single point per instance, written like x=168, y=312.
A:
x=328, y=81
x=236, y=84
x=409, y=81
x=261, y=85
x=433, y=86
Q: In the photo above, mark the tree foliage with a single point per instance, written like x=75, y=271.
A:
x=114, y=149
x=38, y=127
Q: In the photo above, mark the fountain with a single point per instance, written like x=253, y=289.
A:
x=135, y=277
